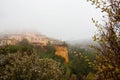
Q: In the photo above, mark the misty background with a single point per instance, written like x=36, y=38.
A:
x=59, y=19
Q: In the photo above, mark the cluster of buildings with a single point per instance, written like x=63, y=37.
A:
x=31, y=37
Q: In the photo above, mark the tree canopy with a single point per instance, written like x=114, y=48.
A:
x=108, y=37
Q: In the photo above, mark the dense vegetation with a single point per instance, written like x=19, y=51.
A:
x=107, y=61
x=29, y=67
x=27, y=61
x=80, y=62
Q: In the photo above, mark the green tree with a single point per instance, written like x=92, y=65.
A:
x=23, y=46
x=108, y=36
x=8, y=49
x=29, y=67
x=80, y=62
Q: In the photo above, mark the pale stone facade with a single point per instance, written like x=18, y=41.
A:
x=31, y=37
x=7, y=42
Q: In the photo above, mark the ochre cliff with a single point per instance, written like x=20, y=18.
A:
x=63, y=52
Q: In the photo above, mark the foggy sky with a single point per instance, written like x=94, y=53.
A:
x=60, y=19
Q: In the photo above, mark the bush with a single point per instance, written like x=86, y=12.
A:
x=29, y=67
x=107, y=61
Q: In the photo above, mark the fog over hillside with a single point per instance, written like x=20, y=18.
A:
x=82, y=43
x=60, y=19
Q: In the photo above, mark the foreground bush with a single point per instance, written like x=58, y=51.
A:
x=23, y=67
x=107, y=61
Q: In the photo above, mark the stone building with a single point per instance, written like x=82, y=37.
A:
x=31, y=37
x=7, y=42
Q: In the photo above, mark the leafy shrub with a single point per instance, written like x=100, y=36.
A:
x=29, y=67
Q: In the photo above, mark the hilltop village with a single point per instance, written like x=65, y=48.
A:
x=33, y=38
x=36, y=39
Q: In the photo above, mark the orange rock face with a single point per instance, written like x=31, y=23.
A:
x=63, y=52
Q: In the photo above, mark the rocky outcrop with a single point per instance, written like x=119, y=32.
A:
x=62, y=51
